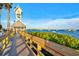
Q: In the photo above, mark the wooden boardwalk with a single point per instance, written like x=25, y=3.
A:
x=22, y=48
x=17, y=47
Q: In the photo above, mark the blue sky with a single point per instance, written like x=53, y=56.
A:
x=46, y=15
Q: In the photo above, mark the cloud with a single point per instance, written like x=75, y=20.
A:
x=72, y=23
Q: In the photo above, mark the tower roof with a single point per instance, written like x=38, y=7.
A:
x=18, y=24
x=17, y=8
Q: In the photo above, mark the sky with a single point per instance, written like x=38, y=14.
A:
x=46, y=15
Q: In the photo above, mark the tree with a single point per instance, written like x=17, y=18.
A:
x=0, y=26
x=1, y=6
x=8, y=6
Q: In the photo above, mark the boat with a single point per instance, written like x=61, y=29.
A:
x=71, y=30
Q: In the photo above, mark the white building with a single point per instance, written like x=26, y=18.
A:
x=18, y=25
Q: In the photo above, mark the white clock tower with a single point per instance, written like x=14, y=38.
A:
x=18, y=25
x=18, y=12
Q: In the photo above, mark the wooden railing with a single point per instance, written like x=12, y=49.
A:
x=30, y=45
x=5, y=39
x=51, y=47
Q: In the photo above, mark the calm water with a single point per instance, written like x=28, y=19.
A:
x=71, y=33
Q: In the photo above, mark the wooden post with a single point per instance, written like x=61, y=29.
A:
x=39, y=49
x=4, y=44
x=30, y=43
x=7, y=41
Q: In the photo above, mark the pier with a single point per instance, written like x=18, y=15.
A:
x=24, y=44
x=16, y=41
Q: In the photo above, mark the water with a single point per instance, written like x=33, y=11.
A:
x=71, y=33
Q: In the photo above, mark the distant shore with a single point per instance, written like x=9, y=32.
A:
x=71, y=33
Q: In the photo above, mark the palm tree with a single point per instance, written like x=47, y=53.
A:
x=8, y=6
x=1, y=6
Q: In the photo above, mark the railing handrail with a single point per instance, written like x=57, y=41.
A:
x=52, y=47
x=5, y=35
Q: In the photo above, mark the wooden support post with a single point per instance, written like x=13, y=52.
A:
x=39, y=49
x=30, y=43
x=7, y=40
x=12, y=34
x=4, y=44
x=26, y=39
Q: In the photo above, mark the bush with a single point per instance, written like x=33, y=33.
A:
x=63, y=39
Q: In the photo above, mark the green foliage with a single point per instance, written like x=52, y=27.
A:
x=62, y=39
x=1, y=5
x=0, y=26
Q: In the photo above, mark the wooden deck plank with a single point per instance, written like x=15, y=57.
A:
x=21, y=47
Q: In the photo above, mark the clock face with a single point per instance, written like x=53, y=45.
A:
x=18, y=11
